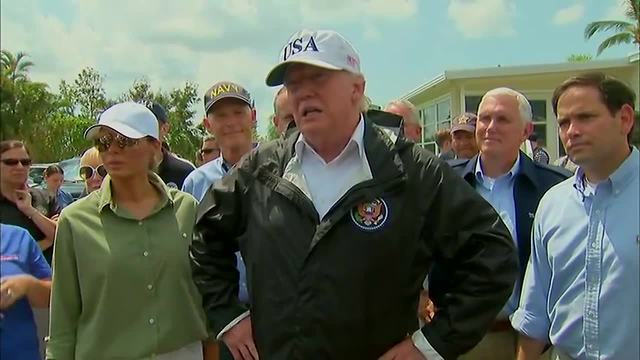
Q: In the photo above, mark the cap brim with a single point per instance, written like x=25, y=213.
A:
x=92, y=132
x=227, y=96
x=463, y=127
x=276, y=75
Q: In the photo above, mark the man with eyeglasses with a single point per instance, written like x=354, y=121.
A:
x=210, y=150
x=230, y=116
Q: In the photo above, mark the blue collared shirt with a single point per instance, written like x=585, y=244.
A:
x=580, y=291
x=499, y=193
x=200, y=180
x=63, y=199
x=197, y=184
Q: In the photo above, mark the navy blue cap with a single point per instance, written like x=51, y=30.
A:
x=157, y=110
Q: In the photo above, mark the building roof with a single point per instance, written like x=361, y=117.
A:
x=500, y=71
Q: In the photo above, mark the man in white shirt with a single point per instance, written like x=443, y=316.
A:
x=338, y=225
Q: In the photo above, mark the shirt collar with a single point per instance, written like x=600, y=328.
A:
x=480, y=176
x=622, y=176
x=357, y=138
x=106, y=198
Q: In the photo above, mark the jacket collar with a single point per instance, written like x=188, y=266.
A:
x=384, y=164
x=526, y=170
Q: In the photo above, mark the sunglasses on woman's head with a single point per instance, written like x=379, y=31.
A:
x=14, y=162
x=103, y=143
x=87, y=172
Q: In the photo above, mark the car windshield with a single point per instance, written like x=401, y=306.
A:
x=71, y=168
x=36, y=174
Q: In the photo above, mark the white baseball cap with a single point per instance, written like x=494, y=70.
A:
x=130, y=119
x=322, y=48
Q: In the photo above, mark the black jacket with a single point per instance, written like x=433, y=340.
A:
x=532, y=181
x=173, y=170
x=347, y=286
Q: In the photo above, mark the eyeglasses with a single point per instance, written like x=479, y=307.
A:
x=104, y=143
x=14, y=162
x=208, y=151
x=87, y=172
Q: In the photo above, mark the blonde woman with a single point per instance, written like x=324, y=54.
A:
x=92, y=171
x=122, y=286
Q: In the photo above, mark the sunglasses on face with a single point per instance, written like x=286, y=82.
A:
x=208, y=151
x=103, y=143
x=14, y=162
x=87, y=172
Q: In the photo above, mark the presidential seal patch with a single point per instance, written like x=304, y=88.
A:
x=370, y=215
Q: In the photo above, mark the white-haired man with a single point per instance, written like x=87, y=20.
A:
x=339, y=223
x=282, y=111
x=513, y=184
x=409, y=114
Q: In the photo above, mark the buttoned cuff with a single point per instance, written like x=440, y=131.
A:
x=421, y=343
x=232, y=324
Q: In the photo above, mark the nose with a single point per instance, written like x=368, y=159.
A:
x=573, y=131
x=492, y=124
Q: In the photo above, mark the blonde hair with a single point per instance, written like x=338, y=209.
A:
x=90, y=156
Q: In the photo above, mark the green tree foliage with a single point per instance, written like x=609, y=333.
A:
x=53, y=124
x=625, y=32
x=579, y=58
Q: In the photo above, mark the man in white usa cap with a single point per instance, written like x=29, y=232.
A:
x=338, y=223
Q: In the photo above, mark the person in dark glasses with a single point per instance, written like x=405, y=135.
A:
x=210, y=149
x=92, y=171
x=122, y=285
x=31, y=209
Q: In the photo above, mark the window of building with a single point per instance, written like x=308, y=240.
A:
x=471, y=103
x=434, y=117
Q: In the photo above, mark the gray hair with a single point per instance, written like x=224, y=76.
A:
x=523, y=104
x=412, y=109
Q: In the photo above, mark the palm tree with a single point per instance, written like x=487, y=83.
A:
x=15, y=67
x=626, y=32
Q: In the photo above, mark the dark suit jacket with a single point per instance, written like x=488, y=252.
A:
x=531, y=182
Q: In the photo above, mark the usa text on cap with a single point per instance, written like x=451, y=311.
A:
x=322, y=48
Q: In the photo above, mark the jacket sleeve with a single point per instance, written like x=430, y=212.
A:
x=473, y=251
x=220, y=221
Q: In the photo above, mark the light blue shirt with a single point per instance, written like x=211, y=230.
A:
x=63, y=199
x=197, y=184
x=581, y=288
x=499, y=193
x=199, y=180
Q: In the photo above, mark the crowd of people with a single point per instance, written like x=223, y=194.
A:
x=342, y=239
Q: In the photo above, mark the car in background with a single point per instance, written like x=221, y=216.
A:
x=72, y=183
x=36, y=174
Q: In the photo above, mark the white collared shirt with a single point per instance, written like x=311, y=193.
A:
x=325, y=183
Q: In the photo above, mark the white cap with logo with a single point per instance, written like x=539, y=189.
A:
x=130, y=119
x=322, y=48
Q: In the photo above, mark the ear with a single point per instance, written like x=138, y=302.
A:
x=358, y=88
x=253, y=115
x=528, y=130
x=627, y=118
x=207, y=124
